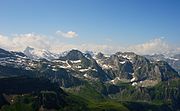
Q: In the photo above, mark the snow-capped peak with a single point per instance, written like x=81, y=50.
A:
x=39, y=53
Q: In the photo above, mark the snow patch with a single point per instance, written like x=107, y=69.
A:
x=77, y=61
x=79, y=67
x=87, y=76
x=173, y=58
x=126, y=56
x=115, y=80
x=64, y=67
x=134, y=83
x=158, y=60
x=133, y=79
x=55, y=69
x=59, y=61
x=106, y=66
x=107, y=56
x=122, y=62
x=87, y=57
x=94, y=70
x=83, y=70
x=28, y=68
x=89, y=68
x=68, y=65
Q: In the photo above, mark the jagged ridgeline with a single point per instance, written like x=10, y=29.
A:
x=73, y=80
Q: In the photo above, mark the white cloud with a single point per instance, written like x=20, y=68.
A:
x=21, y=41
x=83, y=47
x=69, y=34
x=155, y=46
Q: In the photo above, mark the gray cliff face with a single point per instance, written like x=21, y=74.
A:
x=173, y=60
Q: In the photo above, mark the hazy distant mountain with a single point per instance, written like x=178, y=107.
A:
x=173, y=60
x=39, y=53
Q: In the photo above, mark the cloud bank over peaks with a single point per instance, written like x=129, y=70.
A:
x=19, y=42
x=155, y=46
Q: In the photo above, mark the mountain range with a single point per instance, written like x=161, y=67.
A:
x=122, y=79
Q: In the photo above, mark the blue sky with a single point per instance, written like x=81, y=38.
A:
x=116, y=22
